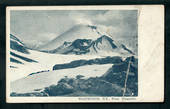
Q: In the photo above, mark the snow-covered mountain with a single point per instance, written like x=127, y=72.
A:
x=101, y=45
x=85, y=39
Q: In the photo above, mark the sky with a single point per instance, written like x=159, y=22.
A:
x=37, y=27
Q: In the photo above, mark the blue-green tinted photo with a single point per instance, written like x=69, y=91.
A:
x=73, y=53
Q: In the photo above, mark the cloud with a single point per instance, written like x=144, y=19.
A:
x=81, y=20
x=109, y=15
x=121, y=22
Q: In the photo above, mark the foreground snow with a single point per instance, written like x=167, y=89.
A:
x=46, y=61
x=45, y=79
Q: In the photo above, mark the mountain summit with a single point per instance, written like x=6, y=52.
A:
x=76, y=32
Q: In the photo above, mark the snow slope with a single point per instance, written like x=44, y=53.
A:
x=45, y=61
x=45, y=79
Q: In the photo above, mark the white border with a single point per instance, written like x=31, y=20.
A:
x=150, y=55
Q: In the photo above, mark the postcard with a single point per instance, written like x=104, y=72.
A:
x=106, y=53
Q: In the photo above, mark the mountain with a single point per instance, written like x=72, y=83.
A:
x=103, y=44
x=85, y=39
x=76, y=32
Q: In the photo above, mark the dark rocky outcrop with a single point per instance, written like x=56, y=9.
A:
x=77, y=63
x=17, y=45
x=117, y=74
